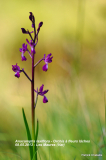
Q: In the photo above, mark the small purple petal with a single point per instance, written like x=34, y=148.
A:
x=41, y=88
x=45, y=100
x=31, y=32
x=17, y=74
x=45, y=91
x=48, y=59
x=20, y=49
x=41, y=93
x=44, y=56
x=27, y=41
x=45, y=67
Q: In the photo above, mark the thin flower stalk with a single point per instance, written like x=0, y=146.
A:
x=38, y=62
x=25, y=74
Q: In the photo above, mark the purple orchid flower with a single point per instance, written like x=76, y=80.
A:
x=32, y=45
x=42, y=93
x=47, y=60
x=22, y=50
x=16, y=69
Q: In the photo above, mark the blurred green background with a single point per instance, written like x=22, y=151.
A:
x=75, y=33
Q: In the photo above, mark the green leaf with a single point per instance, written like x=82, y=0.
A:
x=35, y=155
x=36, y=136
x=28, y=134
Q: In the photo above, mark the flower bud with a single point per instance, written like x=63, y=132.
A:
x=40, y=25
x=31, y=16
x=24, y=31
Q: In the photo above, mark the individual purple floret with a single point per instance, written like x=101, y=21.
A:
x=16, y=69
x=22, y=50
x=42, y=93
x=32, y=45
x=47, y=60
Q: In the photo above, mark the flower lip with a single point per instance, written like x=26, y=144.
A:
x=45, y=67
x=45, y=100
x=17, y=74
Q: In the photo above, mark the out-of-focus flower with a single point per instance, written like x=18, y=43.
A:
x=47, y=60
x=32, y=45
x=22, y=50
x=16, y=69
x=42, y=93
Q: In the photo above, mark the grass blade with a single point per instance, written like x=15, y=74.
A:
x=105, y=113
x=28, y=134
x=102, y=131
x=36, y=136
